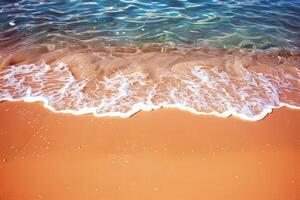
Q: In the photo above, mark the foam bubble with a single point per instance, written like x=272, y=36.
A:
x=244, y=93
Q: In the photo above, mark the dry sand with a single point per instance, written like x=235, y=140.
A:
x=164, y=154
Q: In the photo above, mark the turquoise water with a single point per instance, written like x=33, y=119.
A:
x=244, y=24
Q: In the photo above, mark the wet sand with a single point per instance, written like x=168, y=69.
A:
x=163, y=154
x=122, y=80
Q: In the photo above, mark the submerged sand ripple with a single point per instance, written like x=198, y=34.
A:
x=114, y=82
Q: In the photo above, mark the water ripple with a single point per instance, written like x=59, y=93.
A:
x=182, y=22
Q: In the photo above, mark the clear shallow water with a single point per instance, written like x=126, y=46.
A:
x=247, y=86
x=232, y=23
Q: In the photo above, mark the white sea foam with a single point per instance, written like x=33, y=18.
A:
x=247, y=94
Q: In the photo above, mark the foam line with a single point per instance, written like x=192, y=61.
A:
x=202, y=91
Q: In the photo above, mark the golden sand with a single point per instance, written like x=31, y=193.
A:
x=163, y=154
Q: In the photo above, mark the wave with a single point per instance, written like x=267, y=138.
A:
x=247, y=86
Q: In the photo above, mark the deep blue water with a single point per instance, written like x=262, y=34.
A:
x=249, y=24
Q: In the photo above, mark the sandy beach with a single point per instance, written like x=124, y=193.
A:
x=162, y=154
x=149, y=100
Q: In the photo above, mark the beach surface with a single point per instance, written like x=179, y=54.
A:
x=149, y=100
x=162, y=154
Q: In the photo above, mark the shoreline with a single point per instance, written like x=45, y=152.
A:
x=143, y=108
x=160, y=154
x=108, y=83
x=149, y=100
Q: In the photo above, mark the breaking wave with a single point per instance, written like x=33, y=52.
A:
x=248, y=93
